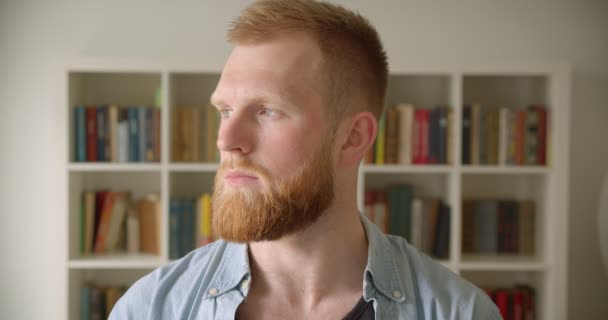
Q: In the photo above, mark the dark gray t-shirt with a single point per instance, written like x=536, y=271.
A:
x=362, y=311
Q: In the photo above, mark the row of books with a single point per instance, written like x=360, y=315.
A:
x=410, y=135
x=504, y=136
x=194, y=134
x=96, y=302
x=498, y=226
x=109, y=133
x=424, y=222
x=189, y=225
x=516, y=303
x=114, y=222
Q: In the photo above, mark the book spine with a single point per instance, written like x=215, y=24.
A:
x=132, y=232
x=442, y=135
x=143, y=133
x=380, y=140
x=175, y=212
x=91, y=133
x=101, y=133
x=80, y=134
x=133, y=134
x=149, y=137
x=399, y=206
x=113, y=133
x=157, y=134
x=466, y=135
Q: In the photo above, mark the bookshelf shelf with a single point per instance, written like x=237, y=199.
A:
x=479, y=169
x=494, y=86
x=193, y=167
x=114, y=167
x=121, y=261
x=397, y=169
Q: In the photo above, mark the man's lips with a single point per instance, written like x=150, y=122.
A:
x=237, y=176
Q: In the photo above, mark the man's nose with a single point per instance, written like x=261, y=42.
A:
x=234, y=134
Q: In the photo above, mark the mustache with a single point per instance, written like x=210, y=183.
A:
x=244, y=165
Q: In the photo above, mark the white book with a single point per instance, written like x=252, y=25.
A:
x=417, y=224
x=405, y=141
x=123, y=141
x=132, y=232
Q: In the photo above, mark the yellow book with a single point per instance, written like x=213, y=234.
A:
x=204, y=230
x=380, y=140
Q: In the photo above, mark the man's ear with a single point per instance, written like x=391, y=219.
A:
x=359, y=133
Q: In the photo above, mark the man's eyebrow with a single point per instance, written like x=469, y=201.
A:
x=260, y=100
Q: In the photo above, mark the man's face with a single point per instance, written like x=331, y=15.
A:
x=276, y=175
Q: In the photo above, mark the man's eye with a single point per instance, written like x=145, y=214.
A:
x=225, y=113
x=268, y=112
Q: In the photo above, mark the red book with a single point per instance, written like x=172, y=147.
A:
x=518, y=306
x=370, y=200
x=104, y=223
x=421, y=136
x=91, y=113
x=502, y=302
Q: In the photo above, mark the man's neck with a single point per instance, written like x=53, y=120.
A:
x=326, y=260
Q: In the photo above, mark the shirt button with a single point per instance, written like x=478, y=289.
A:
x=245, y=284
x=212, y=291
x=397, y=294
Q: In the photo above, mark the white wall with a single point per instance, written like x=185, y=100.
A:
x=38, y=38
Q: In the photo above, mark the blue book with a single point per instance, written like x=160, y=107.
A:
x=149, y=136
x=142, y=134
x=102, y=114
x=80, y=134
x=175, y=213
x=85, y=303
x=133, y=134
x=399, y=210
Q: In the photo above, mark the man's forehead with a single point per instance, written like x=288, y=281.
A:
x=284, y=67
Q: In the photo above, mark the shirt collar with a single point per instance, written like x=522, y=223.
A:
x=232, y=270
x=382, y=271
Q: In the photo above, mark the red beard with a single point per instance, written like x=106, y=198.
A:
x=280, y=208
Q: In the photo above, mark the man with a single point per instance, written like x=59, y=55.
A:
x=299, y=97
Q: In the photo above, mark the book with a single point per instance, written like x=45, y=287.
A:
x=112, y=135
x=175, y=213
x=148, y=215
x=399, y=206
x=204, y=234
x=89, y=221
x=133, y=232
x=466, y=134
x=441, y=248
x=91, y=114
x=133, y=115
x=80, y=134
x=475, y=129
x=404, y=153
x=380, y=140
x=392, y=136
x=102, y=129
x=117, y=220
x=104, y=223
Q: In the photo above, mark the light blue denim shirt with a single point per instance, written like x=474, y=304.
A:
x=211, y=282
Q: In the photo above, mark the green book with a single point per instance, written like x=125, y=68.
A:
x=399, y=210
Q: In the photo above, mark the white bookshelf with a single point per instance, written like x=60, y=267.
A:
x=511, y=85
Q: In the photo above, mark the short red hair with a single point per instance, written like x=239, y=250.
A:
x=354, y=58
